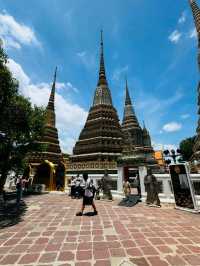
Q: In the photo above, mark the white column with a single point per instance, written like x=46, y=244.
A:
x=120, y=178
x=142, y=174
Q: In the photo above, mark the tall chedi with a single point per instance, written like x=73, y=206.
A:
x=101, y=138
x=50, y=141
x=196, y=15
x=136, y=141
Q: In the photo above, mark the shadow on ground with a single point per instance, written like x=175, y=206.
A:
x=11, y=214
x=89, y=214
x=131, y=201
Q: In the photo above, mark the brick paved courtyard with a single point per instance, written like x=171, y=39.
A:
x=51, y=234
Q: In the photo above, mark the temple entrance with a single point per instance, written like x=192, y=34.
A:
x=60, y=177
x=45, y=174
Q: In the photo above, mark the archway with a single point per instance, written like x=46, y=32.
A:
x=45, y=174
x=60, y=176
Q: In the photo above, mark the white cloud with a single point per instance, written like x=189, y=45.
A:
x=160, y=146
x=15, y=34
x=87, y=59
x=185, y=116
x=70, y=117
x=71, y=87
x=182, y=18
x=175, y=36
x=81, y=54
x=18, y=73
x=172, y=127
x=66, y=87
x=155, y=105
x=120, y=73
x=193, y=33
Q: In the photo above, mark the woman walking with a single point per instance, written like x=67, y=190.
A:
x=88, y=195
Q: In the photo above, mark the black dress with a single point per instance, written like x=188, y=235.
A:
x=87, y=200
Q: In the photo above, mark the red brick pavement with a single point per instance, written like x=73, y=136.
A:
x=51, y=234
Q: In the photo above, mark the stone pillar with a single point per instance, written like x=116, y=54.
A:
x=142, y=174
x=120, y=178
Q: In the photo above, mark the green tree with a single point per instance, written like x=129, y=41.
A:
x=21, y=125
x=186, y=147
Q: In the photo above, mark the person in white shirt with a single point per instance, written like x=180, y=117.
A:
x=88, y=196
x=78, y=187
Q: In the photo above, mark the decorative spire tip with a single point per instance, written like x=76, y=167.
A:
x=126, y=81
x=55, y=74
x=102, y=37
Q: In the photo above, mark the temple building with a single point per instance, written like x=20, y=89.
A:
x=196, y=15
x=100, y=141
x=137, y=148
x=45, y=162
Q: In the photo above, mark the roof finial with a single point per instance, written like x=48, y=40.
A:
x=55, y=74
x=52, y=95
x=102, y=74
x=128, y=108
x=101, y=37
x=126, y=81
x=128, y=98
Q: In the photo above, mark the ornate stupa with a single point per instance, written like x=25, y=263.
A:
x=196, y=15
x=137, y=146
x=50, y=141
x=101, y=138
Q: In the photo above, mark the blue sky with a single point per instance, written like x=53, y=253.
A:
x=152, y=42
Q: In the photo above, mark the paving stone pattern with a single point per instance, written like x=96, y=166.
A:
x=50, y=234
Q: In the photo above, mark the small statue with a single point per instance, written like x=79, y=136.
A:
x=151, y=186
x=97, y=194
x=127, y=188
x=105, y=185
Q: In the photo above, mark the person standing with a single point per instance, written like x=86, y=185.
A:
x=78, y=187
x=88, y=195
x=138, y=185
x=72, y=187
x=19, y=186
x=127, y=188
x=151, y=186
x=106, y=187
